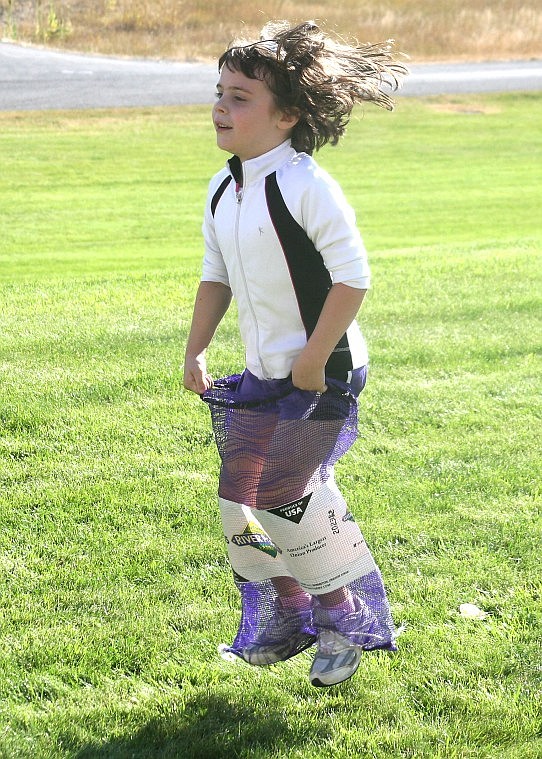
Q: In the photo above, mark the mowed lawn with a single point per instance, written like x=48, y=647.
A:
x=114, y=587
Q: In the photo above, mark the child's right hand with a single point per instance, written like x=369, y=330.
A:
x=196, y=377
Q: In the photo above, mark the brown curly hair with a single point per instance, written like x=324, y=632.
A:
x=317, y=78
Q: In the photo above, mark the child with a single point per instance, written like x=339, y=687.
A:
x=280, y=237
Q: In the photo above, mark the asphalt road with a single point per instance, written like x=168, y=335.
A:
x=34, y=78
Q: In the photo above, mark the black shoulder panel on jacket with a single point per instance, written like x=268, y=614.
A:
x=218, y=194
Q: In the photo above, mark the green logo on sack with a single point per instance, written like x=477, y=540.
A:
x=254, y=537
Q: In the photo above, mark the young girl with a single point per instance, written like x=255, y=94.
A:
x=281, y=239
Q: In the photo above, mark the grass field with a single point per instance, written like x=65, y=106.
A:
x=114, y=587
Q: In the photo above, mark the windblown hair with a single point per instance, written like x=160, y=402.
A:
x=316, y=77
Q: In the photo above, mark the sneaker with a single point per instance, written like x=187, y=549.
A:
x=336, y=660
x=340, y=643
x=285, y=635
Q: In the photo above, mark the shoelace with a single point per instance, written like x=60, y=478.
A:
x=330, y=642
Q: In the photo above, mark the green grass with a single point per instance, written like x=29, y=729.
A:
x=114, y=587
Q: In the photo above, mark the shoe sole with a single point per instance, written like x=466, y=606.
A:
x=319, y=684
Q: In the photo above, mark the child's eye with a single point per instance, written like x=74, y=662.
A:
x=218, y=95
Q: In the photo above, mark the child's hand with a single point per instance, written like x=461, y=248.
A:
x=196, y=377
x=306, y=375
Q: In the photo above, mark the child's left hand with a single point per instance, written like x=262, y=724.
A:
x=308, y=376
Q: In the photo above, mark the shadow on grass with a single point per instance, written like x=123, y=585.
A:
x=209, y=727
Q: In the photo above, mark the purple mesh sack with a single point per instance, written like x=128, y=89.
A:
x=278, y=446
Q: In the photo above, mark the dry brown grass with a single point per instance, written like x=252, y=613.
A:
x=188, y=29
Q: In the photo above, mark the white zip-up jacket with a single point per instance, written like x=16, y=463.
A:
x=279, y=232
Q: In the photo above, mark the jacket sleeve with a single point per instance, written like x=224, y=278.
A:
x=330, y=223
x=213, y=269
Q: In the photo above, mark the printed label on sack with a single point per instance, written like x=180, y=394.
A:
x=327, y=548
x=293, y=511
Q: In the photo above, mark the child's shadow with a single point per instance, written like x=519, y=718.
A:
x=209, y=727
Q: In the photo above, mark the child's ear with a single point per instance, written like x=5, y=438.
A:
x=289, y=119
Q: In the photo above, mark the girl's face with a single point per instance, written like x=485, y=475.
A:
x=246, y=118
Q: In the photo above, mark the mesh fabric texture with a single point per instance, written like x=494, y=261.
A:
x=277, y=442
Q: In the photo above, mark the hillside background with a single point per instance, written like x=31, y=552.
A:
x=428, y=30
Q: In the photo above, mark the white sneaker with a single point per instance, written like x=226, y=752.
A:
x=341, y=642
x=336, y=660
x=285, y=635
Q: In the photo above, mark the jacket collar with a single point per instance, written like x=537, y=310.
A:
x=257, y=168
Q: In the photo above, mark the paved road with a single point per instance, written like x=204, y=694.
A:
x=37, y=79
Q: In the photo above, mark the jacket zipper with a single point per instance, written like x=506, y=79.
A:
x=239, y=198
